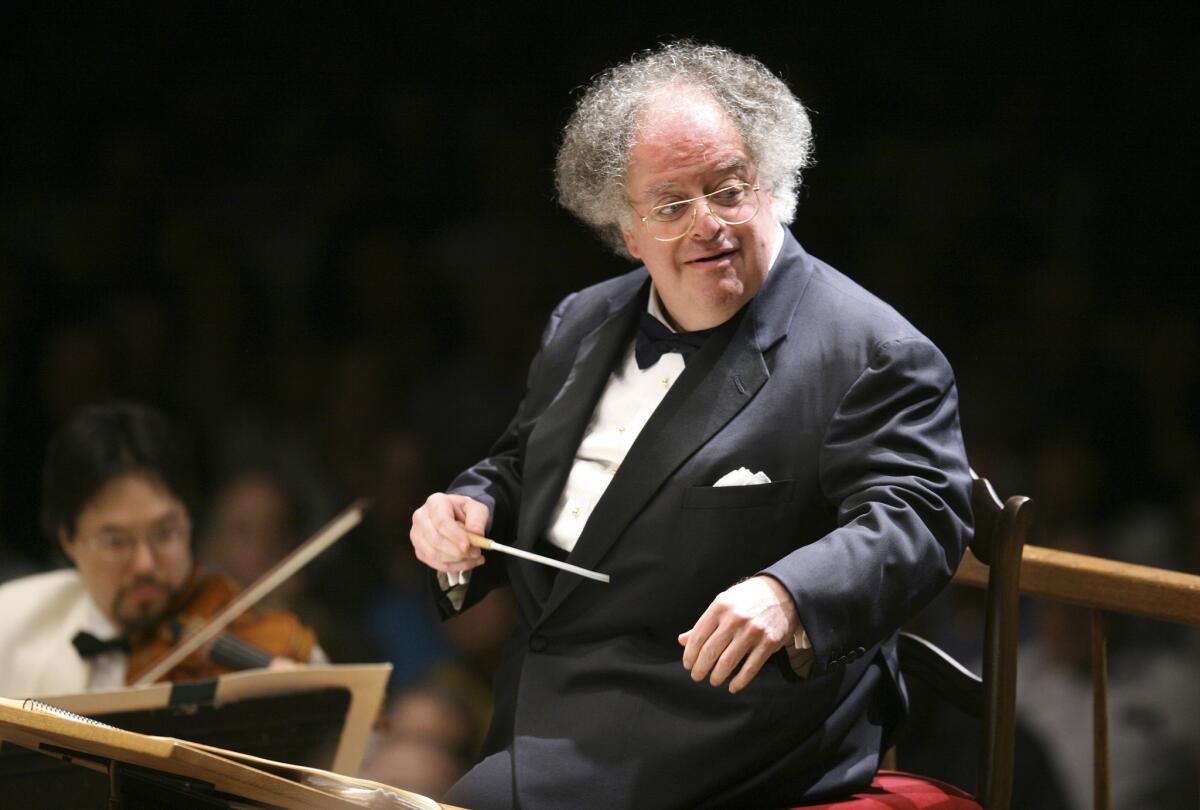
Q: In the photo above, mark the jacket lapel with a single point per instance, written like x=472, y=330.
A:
x=558, y=432
x=718, y=382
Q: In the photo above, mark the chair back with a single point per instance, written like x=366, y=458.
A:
x=1000, y=533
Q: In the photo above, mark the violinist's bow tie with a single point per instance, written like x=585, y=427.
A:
x=88, y=646
x=654, y=340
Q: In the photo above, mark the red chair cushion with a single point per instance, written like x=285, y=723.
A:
x=894, y=790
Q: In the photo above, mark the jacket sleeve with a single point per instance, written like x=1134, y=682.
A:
x=893, y=465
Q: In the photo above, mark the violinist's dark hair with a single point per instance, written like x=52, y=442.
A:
x=104, y=441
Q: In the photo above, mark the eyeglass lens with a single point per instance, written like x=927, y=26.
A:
x=162, y=540
x=732, y=205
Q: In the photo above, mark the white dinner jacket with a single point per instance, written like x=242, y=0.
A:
x=39, y=615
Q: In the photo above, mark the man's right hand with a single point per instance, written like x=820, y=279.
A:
x=439, y=541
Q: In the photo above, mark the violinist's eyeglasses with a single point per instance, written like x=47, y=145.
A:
x=165, y=541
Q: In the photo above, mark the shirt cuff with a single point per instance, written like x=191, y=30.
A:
x=800, y=653
x=454, y=585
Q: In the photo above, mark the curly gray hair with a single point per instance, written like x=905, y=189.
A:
x=597, y=140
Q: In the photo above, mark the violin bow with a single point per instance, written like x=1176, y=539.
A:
x=329, y=534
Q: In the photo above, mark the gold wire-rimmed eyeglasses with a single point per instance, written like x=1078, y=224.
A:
x=733, y=204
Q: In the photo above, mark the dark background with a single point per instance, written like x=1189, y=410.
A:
x=327, y=237
x=337, y=223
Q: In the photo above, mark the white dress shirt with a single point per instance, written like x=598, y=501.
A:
x=630, y=397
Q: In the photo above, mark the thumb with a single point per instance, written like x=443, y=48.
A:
x=475, y=517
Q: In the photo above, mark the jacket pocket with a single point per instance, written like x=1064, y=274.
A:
x=738, y=497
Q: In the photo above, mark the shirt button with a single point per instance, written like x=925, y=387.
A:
x=575, y=512
x=620, y=430
x=538, y=642
x=666, y=381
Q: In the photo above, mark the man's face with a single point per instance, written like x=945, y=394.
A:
x=132, y=546
x=687, y=146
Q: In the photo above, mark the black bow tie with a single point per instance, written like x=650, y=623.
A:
x=654, y=340
x=88, y=646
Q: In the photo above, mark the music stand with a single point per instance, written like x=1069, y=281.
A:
x=139, y=772
x=314, y=716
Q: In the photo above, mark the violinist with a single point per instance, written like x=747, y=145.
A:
x=116, y=487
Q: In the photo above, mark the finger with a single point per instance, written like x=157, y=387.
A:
x=444, y=516
x=425, y=533
x=422, y=538
x=731, y=656
x=699, y=634
x=711, y=652
x=453, y=540
x=452, y=558
x=754, y=662
x=429, y=554
x=683, y=638
x=475, y=516
x=429, y=544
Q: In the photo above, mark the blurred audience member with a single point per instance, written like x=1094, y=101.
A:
x=253, y=525
x=427, y=741
x=1153, y=704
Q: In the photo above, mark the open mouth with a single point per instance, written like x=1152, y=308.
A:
x=713, y=258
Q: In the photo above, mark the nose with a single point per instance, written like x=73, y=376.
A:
x=143, y=557
x=706, y=226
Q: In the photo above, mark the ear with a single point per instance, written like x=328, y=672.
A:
x=630, y=245
x=68, y=545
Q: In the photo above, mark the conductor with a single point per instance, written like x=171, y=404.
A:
x=764, y=457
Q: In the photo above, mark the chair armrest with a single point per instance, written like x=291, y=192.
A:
x=924, y=661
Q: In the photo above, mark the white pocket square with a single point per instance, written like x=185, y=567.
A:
x=742, y=477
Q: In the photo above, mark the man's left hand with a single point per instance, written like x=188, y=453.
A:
x=750, y=621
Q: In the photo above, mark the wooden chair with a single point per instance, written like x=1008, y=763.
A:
x=1000, y=532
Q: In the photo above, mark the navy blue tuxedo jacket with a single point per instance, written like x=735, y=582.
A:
x=853, y=414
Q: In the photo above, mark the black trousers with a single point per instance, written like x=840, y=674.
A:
x=487, y=786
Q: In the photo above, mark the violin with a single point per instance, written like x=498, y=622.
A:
x=251, y=640
x=211, y=604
